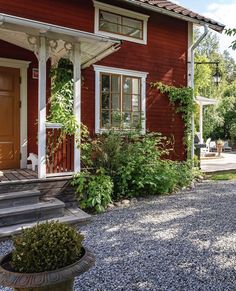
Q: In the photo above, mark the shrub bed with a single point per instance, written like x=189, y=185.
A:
x=120, y=166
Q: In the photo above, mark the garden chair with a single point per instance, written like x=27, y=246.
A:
x=226, y=147
x=212, y=146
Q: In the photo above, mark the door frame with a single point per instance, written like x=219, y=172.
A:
x=23, y=66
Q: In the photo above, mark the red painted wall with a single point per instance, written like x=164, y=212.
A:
x=164, y=57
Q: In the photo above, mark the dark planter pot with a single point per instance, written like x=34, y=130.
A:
x=61, y=279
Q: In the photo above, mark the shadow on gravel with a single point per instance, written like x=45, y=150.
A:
x=182, y=242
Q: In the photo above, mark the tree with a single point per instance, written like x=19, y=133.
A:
x=232, y=32
x=219, y=120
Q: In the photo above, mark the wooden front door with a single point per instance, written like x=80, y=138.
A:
x=9, y=118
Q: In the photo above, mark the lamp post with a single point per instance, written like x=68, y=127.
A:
x=216, y=76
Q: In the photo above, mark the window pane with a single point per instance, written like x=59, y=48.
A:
x=127, y=85
x=136, y=86
x=119, y=24
x=127, y=103
x=105, y=83
x=132, y=27
x=105, y=119
x=135, y=102
x=130, y=22
x=133, y=32
x=115, y=84
x=115, y=101
x=116, y=119
x=126, y=119
x=109, y=22
x=136, y=119
x=105, y=100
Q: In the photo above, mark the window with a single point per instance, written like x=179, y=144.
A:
x=115, y=23
x=121, y=23
x=120, y=98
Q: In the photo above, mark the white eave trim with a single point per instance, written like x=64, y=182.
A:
x=123, y=12
x=44, y=28
x=176, y=15
x=101, y=56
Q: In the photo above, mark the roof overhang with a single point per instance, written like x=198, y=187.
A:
x=199, y=20
x=17, y=30
x=205, y=101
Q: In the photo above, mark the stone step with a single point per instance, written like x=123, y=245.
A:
x=20, y=198
x=77, y=219
x=29, y=213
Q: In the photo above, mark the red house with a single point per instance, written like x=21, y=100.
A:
x=118, y=47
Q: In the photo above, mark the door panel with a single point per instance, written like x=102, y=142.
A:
x=9, y=118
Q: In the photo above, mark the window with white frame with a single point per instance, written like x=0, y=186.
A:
x=121, y=23
x=120, y=99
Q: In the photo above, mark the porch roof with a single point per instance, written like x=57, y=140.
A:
x=17, y=30
x=205, y=101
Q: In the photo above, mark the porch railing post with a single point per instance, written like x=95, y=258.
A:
x=42, y=58
x=77, y=102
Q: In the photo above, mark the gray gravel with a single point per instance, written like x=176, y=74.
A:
x=182, y=242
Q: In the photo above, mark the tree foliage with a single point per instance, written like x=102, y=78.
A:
x=219, y=120
x=232, y=32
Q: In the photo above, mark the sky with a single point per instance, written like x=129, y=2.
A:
x=223, y=11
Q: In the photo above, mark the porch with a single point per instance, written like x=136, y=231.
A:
x=47, y=42
x=17, y=175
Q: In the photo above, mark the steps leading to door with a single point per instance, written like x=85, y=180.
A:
x=81, y=218
x=32, y=212
x=14, y=199
x=25, y=209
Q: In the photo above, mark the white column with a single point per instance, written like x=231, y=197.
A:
x=201, y=122
x=42, y=58
x=77, y=102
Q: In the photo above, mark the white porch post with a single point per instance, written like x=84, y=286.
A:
x=42, y=58
x=77, y=101
x=200, y=122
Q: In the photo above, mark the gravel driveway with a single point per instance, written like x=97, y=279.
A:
x=182, y=242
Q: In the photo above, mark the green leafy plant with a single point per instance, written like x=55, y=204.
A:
x=182, y=99
x=136, y=164
x=62, y=97
x=46, y=247
x=94, y=191
x=232, y=32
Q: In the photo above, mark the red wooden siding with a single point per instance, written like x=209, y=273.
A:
x=164, y=58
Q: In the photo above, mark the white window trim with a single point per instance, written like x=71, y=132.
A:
x=23, y=66
x=111, y=70
x=123, y=12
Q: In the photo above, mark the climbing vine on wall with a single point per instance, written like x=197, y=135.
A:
x=182, y=99
x=61, y=101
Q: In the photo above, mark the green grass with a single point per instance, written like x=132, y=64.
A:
x=220, y=176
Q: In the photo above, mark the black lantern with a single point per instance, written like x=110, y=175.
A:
x=217, y=76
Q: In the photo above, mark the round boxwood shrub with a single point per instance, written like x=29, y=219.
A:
x=46, y=247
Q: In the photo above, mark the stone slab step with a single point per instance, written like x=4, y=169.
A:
x=30, y=213
x=14, y=199
x=79, y=218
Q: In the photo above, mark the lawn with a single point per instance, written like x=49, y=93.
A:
x=220, y=176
